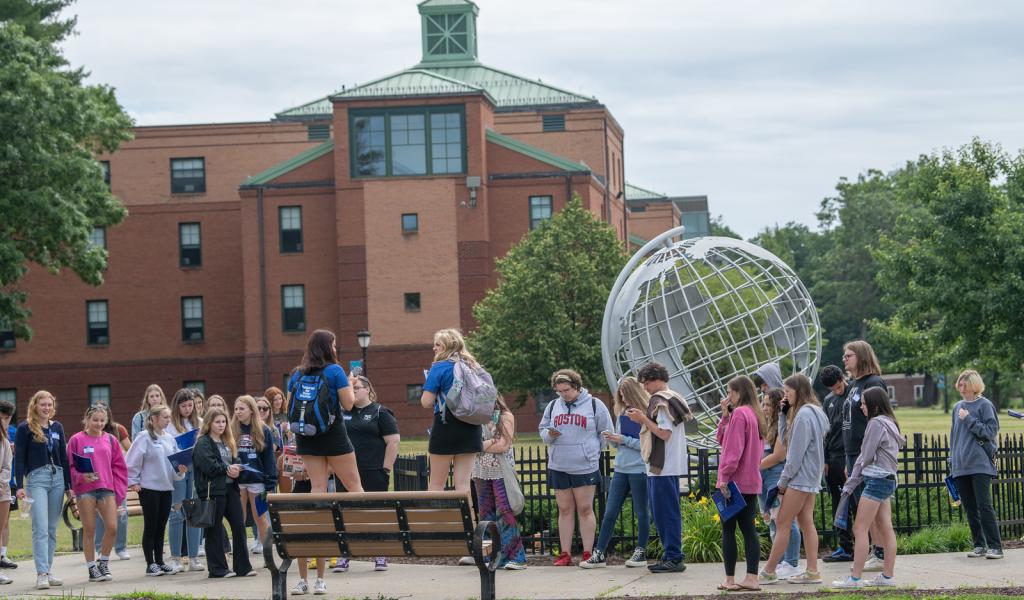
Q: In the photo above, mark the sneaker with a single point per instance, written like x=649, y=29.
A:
x=53, y=581
x=849, y=582
x=766, y=578
x=994, y=554
x=42, y=582
x=230, y=574
x=7, y=564
x=515, y=566
x=874, y=564
x=95, y=574
x=586, y=556
x=301, y=588
x=123, y=554
x=785, y=570
x=195, y=565
x=467, y=561
x=639, y=558
x=250, y=574
x=340, y=567
x=320, y=587
x=381, y=564
x=4, y=580
x=668, y=566
x=978, y=552
x=104, y=567
x=881, y=580
x=595, y=561
x=257, y=548
x=172, y=567
x=806, y=577
x=563, y=560
x=201, y=552
x=154, y=570
x=839, y=555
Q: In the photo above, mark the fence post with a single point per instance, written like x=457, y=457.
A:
x=703, y=472
x=423, y=468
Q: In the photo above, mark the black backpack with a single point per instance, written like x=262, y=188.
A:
x=311, y=411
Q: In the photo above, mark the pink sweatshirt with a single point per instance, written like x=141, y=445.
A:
x=107, y=462
x=741, y=443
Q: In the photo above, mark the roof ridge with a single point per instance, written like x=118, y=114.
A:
x=538, y=82
x=536, y=153
x=649, y=193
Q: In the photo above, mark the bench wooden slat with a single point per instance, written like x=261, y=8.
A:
x=365, y=515
x=317, y=517
x=377, y=549
x=312, y=549
x=417, y=515
x=373, y=527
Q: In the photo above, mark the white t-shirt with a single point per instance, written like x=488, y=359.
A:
x=677, y=461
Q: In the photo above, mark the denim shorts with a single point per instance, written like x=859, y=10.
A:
x=561, y=480
x=879, y=489
x=97, y=495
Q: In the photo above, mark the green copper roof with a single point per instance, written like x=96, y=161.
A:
x=535, y=153
x=635, y=192
x=437, y=3
x=302, y=158
x=635, y=239
x=411, y=82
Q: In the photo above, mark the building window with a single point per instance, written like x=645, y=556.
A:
x=892, y=394
x=410, y=223
x=447, y=35
x=318, y=132
x=918, y=392
x=188, y=175
x=98, y=237
x=638, y=209
x=198, y=385
x=105, y=165
x=192, y=319
x=7, y=341
x=99, y=394
x=540, y=210
x=190, y=245
x=9, y=395
x=696, y=224
x=290, y=219
x=412, y=302
x=293, y=307
x=413, y=392
x=553, y=122
x=97, y=323
x=401, y=142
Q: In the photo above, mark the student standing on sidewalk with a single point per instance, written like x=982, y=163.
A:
x=41, y=469
x=6, y=466
x=255, y=450
x=121, y=543
x=973, y=438
x=630, y=477
x=151, y=476
x=740, y=434
x=778, y=414
x=184, y=419
x=835, y=454
x=877, y=467
x=800, y=481
x=663, y=446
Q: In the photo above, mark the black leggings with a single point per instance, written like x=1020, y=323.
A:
x=156, y=509
x=751, y=541
x=227, y=506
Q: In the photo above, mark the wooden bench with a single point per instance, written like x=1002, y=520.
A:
x=371, y=524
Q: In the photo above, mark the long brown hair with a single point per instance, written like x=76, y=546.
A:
x=630, y=394
x=6, y=408
x=877, y=401
x=272, y=394
x=774, y=397
x=184, y=395
x=501, y=431
x=319, y=351
x=867, y=362
x=32, y=414
x=255, y=423
x=742, y=385
x=805, y=395
x=226, y=437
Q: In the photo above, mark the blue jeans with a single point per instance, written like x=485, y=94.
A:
x=182, y=491
x=769, y=479
x=622, y=483
x=46, y=488
x=122, y=529
x=663, y=492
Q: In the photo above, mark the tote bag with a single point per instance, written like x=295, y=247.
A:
x=198, y=513
x=512, y=490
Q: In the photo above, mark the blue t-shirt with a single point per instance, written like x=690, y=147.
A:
x=440, y=380
x=336, y=380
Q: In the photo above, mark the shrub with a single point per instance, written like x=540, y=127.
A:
x=954, y=538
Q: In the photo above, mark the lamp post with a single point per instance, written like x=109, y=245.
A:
x=363, y=337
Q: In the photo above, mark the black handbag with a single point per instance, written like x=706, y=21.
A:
x=199, y=513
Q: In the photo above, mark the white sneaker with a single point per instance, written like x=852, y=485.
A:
x=4, y=580
x=319, y=587
x=195, y=565
x=881, y=580
x=848, y=582
x=201, y=552
x=124, y=554
x=301, y=588
x=874, y=564
x=54, y=582
x=467, y=561
x=785, y=570
x=175, y=566
x=42, y=582
x=257, y=548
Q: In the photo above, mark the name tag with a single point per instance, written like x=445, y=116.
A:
x=55, y=435
x=252, y=455
x=348, y=417
x=88, y=450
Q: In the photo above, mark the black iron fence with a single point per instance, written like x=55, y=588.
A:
x=921, y=498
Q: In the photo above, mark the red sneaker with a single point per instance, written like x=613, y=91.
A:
x=563, y=560
x=586, y=556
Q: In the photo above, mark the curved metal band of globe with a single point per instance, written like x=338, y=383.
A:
x=708, y=309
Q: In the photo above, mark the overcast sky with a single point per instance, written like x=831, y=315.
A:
x=762, y=106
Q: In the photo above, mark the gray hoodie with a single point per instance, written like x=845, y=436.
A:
x=805, y=455
x=879, y=452
x=577, y=450
x=973, y=440
x=770, y=374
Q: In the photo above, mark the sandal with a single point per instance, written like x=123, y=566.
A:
x=745, y=588
x=728, y=588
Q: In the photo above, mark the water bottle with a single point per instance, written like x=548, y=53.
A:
x=25, y=506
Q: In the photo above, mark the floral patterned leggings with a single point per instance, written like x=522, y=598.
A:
x=492, y=503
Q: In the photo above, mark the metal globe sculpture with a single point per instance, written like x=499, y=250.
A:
x=708, y=309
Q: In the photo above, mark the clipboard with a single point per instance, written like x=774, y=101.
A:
x=83, y=464
x=728, y=509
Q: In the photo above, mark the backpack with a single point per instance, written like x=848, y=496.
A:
x=472, y=395
x=311, y=411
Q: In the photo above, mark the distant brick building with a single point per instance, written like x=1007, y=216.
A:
x=380, y=207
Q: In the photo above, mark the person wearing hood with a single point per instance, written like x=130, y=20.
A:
x=767, y=377
x=571, y=427
x=876, y=467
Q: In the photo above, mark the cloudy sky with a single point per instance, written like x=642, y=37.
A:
x=762, y=106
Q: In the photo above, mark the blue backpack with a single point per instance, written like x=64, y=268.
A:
x=311, y=411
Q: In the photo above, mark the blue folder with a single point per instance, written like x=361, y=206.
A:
x=628, y=428
x=83, y=464
x=771, y=497
x=181, y=458
x=186, y=440
x=842, y=520
x=728, y=509
x=261, y=505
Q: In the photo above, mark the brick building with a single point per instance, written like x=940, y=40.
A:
x=380, y=207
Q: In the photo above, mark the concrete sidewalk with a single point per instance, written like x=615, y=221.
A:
x=427, y=582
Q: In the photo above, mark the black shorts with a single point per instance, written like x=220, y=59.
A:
x=560, y=480
x=455, y=436
x=334, y=442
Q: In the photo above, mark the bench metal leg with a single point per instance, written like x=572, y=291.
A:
x=278, y=574
x=487, y=568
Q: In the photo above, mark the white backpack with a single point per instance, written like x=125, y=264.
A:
x=472, y=395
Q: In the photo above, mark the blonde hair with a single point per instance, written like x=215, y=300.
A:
x=452, y=345
x=209, y=403
x=630, y=394
x=226, y=437
x=94, y=408
x=32, y=414
x=867, y=362
x=145, y=396
x=269, y=419
x=155, y=411
x=973, y=380
x=255, y=424
x=369, y=387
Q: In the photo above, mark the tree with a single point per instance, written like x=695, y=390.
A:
x=717, y=227
x=546, y=312
x=52, y=125
x=953, y=264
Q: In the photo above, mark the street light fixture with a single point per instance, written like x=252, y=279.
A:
x=363, y=337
